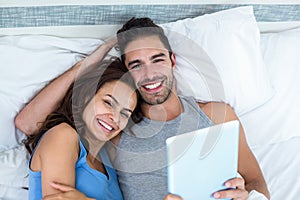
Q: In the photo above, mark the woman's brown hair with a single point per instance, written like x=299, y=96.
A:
x=79, y=95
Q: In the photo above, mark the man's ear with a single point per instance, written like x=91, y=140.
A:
x=173, y=60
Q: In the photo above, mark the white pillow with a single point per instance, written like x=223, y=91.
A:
x=277, y=120
x=219, y=59
x=28, y=63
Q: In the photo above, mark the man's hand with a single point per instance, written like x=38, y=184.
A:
x=240, y=193
x=67, y=193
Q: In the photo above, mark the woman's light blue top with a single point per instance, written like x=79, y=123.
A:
x=91, y=182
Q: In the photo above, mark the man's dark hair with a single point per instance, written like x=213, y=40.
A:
x=137, y=28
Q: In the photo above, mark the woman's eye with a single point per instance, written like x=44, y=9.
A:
x=125, y=115
x=108, y=103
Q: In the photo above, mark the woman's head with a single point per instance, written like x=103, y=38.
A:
x=104, y=97
x=109, y=110
x=101, y=101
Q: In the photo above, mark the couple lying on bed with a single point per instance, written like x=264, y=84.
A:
x=101, y=100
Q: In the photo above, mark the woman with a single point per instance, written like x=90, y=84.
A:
x=95, y=109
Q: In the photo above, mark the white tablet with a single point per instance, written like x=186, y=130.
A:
x=200, y=162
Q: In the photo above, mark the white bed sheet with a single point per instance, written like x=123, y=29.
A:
x=12, y=193
x=273, y=129
x=279, y=161
x=13, y=174
x=280, y=165
x=277, y=120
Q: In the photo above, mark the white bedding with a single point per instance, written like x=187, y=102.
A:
x=277, y=120
x=280, y=165
x=13, y=173
x=271, y=129
x=279, y=162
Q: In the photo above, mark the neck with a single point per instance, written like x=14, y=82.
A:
x=93, y=159
x=94, y=145
x=166, y=111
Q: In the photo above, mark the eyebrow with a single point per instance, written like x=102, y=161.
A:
x=158, y=55
x=117, y=102
x=152, y=58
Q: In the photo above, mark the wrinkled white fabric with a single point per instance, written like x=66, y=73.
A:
x=254, y=195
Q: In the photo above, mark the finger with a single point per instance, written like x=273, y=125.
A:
x=51, y=197
x=61, y=187
x=239, y=183
x=232, y=194
x=172, y=197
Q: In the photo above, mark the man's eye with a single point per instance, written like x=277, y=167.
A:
x=136, y=66
x=158, y=60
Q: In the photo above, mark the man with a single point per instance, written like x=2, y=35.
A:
x=140, y=157
x=147, y=54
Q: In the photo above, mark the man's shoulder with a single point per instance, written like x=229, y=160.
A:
x=212, y=104
x=218, y=112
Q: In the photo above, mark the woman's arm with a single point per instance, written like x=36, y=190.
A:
x=56, y=157
x=47, y=100
x=72, y=193
x=248, y=166
x=68, y=193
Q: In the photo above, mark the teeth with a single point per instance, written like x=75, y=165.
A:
x=152, y=86
x=105, y=125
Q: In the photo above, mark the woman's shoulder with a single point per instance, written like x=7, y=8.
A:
x=63, y=127
x=59, y=137
x=62, y=131
x=58, y=145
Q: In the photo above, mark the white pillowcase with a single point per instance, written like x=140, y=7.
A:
x=219, y=59
x=277, y=120
x=28, y=63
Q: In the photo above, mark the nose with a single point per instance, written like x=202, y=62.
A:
x=147, y=70
x=115, y=117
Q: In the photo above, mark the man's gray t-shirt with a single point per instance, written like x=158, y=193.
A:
x=141, y=157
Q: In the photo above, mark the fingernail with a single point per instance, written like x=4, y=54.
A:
x=216, y=195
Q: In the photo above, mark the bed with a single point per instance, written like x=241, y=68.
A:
x=256, y=67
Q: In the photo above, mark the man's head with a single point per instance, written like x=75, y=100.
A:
x=146, y=52
x=139, y=28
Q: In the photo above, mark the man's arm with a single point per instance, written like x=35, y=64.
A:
x=47, y=100
x=248, y=166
